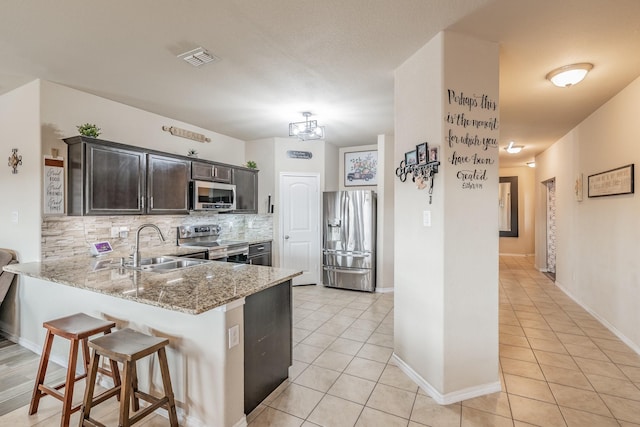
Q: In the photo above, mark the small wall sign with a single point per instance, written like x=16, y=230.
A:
x=175, y=131
x=295, y=154
x=53, y=186
x=612, y=182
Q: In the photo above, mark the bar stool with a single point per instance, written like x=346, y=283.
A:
x=77, y=328
x=127, y=347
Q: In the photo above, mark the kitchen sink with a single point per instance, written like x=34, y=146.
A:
x=163, y=264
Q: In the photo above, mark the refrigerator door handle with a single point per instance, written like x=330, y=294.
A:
x=347, y=271
x=346, y=253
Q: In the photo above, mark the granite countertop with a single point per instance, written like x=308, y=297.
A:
x=191, y=290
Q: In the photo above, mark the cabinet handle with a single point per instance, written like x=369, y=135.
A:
x=214, y=172
x=260, y=248
x=151, y=203
x=142, y=202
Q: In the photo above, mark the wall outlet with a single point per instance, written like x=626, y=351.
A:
x=114, y=231
x=426, y=218
x=234, y=336
x=14, y=217
x=124, y=232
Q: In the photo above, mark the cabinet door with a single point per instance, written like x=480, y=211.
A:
x=246, y=182
x=202, y=171
x=222, y=173
x=115, y=181
x=267, y=342
x=263, y=259
x=167, y=185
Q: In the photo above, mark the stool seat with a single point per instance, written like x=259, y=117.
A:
x=127, y=344
x=77, y=328
x=127, y=347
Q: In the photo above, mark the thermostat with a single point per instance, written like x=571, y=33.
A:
x=100, y=248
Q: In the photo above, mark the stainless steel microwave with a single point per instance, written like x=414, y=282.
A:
x=212, y=196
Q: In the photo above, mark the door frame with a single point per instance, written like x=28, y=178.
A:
x=280, y=232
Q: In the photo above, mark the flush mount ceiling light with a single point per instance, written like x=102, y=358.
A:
x=531, y=164
x=306, y=130
x=513, y=149
x=569, y=75
x=198, y=56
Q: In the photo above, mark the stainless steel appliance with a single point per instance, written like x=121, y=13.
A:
x=212, y=196
x=207, y=236
x=349, y=240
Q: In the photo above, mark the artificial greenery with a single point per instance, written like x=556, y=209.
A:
x=251, y=164
x=89, y=129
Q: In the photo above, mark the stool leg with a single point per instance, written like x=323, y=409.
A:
x=71, y=380
x=85, y=355
x=115, y=372
x=134, y=386
x=125, y=394
x=88, y=393
x=168, y=390
x=42, y=370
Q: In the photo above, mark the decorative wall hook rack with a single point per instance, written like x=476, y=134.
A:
x=15, y=160
x=422, y=174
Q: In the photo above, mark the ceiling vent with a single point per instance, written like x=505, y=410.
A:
x=198, y=57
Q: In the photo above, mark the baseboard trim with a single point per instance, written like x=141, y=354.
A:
x=520, y=255
x=384, y=290
x=600, y=319
x=448, y=398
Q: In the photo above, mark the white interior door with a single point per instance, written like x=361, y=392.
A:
x=300, y=226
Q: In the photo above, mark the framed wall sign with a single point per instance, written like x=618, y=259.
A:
x=360, y=168
x=53, y=186
x=422, y=151
x=611, y=182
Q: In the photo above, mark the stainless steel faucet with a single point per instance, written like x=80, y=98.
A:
x=136, y=248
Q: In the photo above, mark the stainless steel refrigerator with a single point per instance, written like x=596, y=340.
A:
x=349, y=240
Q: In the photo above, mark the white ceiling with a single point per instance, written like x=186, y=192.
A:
x=335, y=58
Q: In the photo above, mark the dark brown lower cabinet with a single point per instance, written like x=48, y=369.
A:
x=267, y=342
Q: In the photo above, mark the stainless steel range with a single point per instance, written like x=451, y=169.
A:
x=208, y=236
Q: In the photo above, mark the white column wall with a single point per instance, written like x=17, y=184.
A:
x=446, y=274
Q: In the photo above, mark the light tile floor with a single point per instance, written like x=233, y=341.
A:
x=559, y=367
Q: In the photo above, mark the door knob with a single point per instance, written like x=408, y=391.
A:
x=286, y=237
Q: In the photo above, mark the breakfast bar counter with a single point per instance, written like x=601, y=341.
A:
x=191, y=290
x=212, y=314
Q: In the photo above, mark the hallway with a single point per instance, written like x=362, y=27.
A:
x=559, y=367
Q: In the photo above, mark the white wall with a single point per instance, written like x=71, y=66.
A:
x=524, y=244
x=386, y=213
x=446, y=274
x=331, y=167
x=63, y=108
x=20, y=193
x=598, y=239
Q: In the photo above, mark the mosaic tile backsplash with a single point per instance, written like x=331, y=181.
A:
x=67, y=236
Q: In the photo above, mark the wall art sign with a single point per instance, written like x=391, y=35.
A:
x=611, y=182
x=53, y=186
x=183, y=133
x=360, y=168
x=295, y=154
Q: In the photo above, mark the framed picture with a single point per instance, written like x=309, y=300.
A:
x=611, y=182
x=433, y=154
x=422, y=150
x=411, y=158
x=360, y=168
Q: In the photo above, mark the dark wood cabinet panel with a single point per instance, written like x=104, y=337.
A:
x=115, y=180
x=260, y=254
x=267, y=342
x=246, y=182
x=211, y=172
x=167, y=185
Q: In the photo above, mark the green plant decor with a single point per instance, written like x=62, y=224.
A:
x=89, y=129
x=251, y=164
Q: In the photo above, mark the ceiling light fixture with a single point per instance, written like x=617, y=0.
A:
x=513, y=149
x=306, y=130
x=531, y=164
x=198, y=56
x=569, y=75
